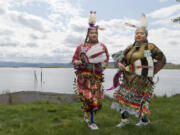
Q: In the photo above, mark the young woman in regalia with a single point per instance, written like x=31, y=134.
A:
x=138, y=64
x=90, y=60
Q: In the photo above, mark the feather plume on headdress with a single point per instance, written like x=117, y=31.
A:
x=92, y=18
x=131, y=25
x=92, y=21
x=143, y=22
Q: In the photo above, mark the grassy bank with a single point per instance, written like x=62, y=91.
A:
x=172, y=66
x=66, y=119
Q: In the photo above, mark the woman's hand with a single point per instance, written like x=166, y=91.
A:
x=121, y=66
x=105, y=64
x=77, y=62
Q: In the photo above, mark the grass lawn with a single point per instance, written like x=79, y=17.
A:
x=66, y=119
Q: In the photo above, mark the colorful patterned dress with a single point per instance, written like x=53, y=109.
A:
x=88, y=83
x=135, y=91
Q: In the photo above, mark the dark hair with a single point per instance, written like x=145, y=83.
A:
x=87, y=36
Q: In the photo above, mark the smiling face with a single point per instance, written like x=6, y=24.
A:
x=93, y=36
x=140, y=35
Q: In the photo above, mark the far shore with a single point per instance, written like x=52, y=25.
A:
x=167, y=66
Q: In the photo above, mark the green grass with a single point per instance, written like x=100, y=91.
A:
x=66, y=119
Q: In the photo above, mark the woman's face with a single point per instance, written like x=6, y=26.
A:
x=140, y=36
x=93, y=36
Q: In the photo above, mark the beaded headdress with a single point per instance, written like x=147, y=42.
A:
x=92, y=21
x=143, y=24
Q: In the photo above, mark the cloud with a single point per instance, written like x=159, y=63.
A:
x=63, y=9
x=77, y=27
x=174, y=43
x=29, y=36
x=163, y=17
x=6, y=32
x=116, y=35
x=73, y=40
x=167, y=40
x=32, y=23
x=165, y=12
x=25, y=20
x=31, y=45
x=5, y=44
x=36, y=37
x=60, y=33
x=76, y=31
x=2, y=11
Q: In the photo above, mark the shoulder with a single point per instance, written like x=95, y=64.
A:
x=80, y=45
x=128, y=48
x=151, y=46
x=102, y=44
x=78, y=48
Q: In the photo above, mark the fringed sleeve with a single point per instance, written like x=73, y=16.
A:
x=76, y=54
x=107, y=53
x=160, y=58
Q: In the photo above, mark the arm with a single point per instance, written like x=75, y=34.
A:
x=107, y=55
x=106, y=61
x=158, y=55
x=119, y=57
x=76, y=61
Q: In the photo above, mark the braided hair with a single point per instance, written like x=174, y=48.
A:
x=87, y=37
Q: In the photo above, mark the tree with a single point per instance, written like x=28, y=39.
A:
x=177, y=19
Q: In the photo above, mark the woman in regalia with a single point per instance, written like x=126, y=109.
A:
x=138, y=64
x=90, y=60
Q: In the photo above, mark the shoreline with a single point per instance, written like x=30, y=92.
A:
x=26, y=97
x=22, y=97
x=167, y=66
x=72, y=67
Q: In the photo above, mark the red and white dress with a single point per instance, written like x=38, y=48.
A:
x=88, y=83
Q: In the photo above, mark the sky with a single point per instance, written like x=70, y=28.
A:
x=48, y=31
